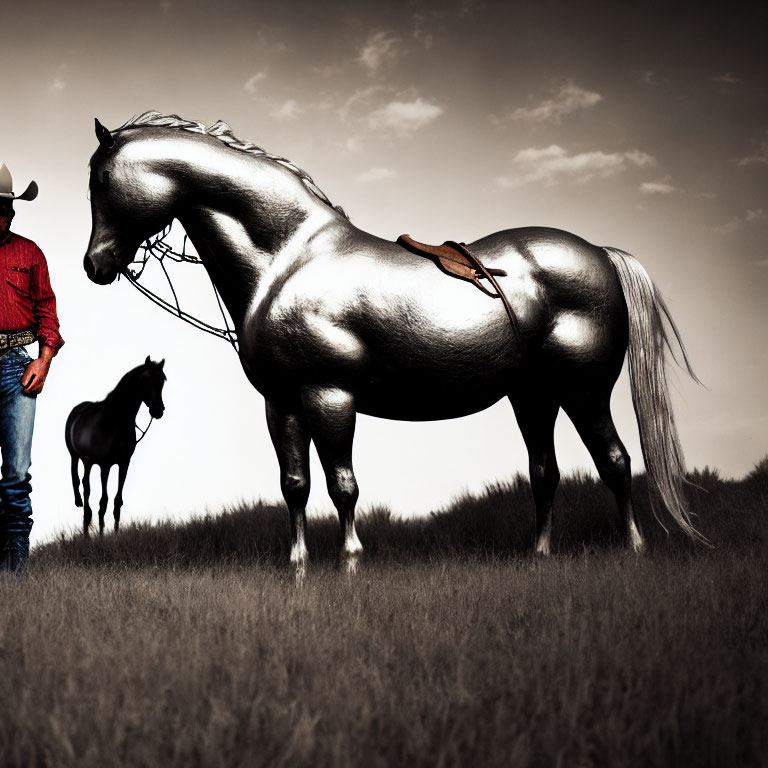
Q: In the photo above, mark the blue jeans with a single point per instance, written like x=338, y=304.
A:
x=17, y=420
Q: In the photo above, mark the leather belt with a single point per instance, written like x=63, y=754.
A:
x=11, y=339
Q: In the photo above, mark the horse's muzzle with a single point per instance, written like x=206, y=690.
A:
x=100, y=277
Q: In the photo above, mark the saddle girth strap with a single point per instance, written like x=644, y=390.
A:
x=455, y=259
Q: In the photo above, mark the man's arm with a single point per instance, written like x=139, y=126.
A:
x=47, y=321
x=35, y=374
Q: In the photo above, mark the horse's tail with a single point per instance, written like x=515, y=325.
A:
x=662, y=452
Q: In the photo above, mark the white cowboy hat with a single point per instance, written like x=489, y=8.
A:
x=6, y=186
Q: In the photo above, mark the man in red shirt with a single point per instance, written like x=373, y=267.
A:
x=27, y=312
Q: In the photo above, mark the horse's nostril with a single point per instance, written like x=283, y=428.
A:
x=88, y=267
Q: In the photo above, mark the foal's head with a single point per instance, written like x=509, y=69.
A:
x=150, y=381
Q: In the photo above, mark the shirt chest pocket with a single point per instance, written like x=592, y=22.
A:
x=18, y=278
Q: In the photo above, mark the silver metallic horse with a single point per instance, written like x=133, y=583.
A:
x=332, y=320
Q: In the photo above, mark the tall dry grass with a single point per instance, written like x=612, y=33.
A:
x=189, y=645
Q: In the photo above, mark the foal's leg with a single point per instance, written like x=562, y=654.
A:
x=122, y=471
x=76, y=481
x=290, y=436
x=87, y=514
x=591, y=415
x=104, y=496
x=536, y=415
x=331, y=416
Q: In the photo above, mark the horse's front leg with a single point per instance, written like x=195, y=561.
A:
x=122, y=472
x=87, y=514
x=290, y=436
x=331, y=415
x=104, y=496
x=76, y=481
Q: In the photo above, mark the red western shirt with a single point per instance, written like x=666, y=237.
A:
x=26, y=297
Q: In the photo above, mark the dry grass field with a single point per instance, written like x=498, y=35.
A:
x=186, y=645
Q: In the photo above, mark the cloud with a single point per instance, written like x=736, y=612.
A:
x=759, y=156
x=379, y=48
x=374, y=175
x=569, y=98
x=288, y=110
x=729, y=226
x=328, y=70
x=647, y=77
x=403, y=118
x=423, y=30
x=362, y=100
x=384, y=110
x=57, y=85
x=252, y=83
x=762, y=263
x=661, y=187
x=751, y=216
x=270, y=37
x=553, y=165
x=470, y=7
x=726, y=78
x=352, y=145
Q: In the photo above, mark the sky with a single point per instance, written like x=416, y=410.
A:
x=638, y=125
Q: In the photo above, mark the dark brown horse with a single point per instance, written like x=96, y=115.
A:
x=332, y=320
x=104, y=433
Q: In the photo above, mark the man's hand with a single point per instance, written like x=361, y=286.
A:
x=35, y=374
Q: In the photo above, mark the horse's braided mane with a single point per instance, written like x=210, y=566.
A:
x=221, y=131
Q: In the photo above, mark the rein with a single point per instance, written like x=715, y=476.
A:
x=143, y=431
x=159, y=248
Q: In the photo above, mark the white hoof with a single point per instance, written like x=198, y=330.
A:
x=351, y=551
x=299, y=559
x=350, y=562
x=300, y=574
x=543, y=548
x=637, y=545
x=635, y=540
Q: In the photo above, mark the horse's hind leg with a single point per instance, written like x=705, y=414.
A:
x=122, y=471
x=104, y=496
x=290, y=436
x=591, y=415
x=536, y=415
x=87, y=514
x=331, y=416
x=76, y=481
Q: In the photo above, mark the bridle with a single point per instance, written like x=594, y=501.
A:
x=160, y=249
x=143, y=431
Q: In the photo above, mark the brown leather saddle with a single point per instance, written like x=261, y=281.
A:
x=456, y=260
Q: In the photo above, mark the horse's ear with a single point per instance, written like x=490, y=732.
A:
x=147, y=361
x=103, y=135
x=162, y=363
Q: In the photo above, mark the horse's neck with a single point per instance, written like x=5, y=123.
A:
x=238, y=255
x=125, y=397
x=234, y=263
x=242, y=211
